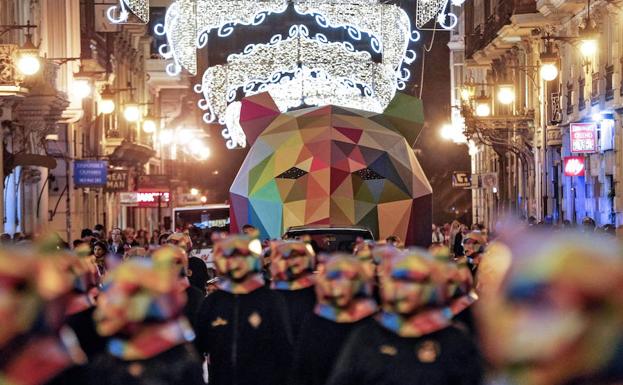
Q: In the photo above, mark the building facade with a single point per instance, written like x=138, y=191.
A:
x=526, y=140
x=54, y=122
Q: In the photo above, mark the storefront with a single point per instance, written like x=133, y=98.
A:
x=588, y=168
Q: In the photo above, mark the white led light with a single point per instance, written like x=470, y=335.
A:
x=119, y=14
x=427, y=10
x=298, y=68
x=295, y=70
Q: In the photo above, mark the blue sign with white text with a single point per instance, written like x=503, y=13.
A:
x=90, y=173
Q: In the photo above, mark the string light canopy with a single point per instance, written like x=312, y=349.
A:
x=297, y=67
x=120, y=14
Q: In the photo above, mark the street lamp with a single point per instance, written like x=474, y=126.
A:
x=194, y=191
x=483, y=108
x=82, y=88
x=506, y=95
x=107, y=102
x=132, y=112
x=452, y=132
x=29, y=61
x=149, y=126
x=588, y=48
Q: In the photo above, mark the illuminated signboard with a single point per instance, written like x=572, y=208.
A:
x=583, y=137
x=145, y=199
x=574, y=166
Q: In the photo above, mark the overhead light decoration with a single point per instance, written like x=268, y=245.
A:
x=120, y=14
x=428, y=10
x=296, y=71
x=296, y=67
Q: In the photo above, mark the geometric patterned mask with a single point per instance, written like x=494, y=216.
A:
x=332, y=165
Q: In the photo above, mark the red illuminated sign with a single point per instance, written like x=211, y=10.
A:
x=150, y=199
x=145, y=199
x=574, y=166
x=583, y=137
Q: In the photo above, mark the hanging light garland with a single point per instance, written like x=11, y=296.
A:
x=120, y=14
x=298, y=68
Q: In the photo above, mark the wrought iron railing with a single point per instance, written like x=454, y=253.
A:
x=479, y=36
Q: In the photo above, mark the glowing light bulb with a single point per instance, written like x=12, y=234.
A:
x=588, y=47
x=483, y=110
x=107, y=106
x=81, y=88
x=506, y=95
x=29, y=64
x=549, y=72
x=132, y=112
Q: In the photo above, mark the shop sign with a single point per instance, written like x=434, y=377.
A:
x=574, y=166
x=145, y=199
x=150, y=183
x=583, y=137
x=90, y=173
x=461, y=179
x=117, y=181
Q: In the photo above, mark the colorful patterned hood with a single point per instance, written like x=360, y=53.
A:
x=138, y=292
x=421, y=293
x=332, y=166
x=551, y=308
x=238, y=261
x=292, y=265
x=344, y=290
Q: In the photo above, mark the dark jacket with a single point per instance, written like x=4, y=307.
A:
x=247, y=337
x=374, y=355
x=299, y=303
x=457, y=245
x=116, y=250
x=83, y=325
x=194, y=298
x=179, y=365
x=317, y=348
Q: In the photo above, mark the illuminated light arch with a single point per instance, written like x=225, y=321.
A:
x=368, y=85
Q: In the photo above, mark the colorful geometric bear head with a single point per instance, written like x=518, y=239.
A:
x=332, y=166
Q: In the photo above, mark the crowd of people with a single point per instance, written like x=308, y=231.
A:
x=121, y=308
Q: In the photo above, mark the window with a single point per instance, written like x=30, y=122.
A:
x=609, y=85
x=569, y=98
x=581, y=101
x=595, y=89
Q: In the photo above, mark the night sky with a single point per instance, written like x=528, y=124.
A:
x=438, y=158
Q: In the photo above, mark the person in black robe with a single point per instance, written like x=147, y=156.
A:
x=140, y=309
x=198, y=274
x=412, y=340
x=81, y=306
x=292, y=270
x=243, y=326
x=344, y=302
x=35, y=347
x=177, y=255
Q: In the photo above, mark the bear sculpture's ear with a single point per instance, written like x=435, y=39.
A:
x=256, y=114
x=405, y=115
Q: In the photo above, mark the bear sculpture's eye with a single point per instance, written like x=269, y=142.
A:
x=367, y=174
x=292, y=173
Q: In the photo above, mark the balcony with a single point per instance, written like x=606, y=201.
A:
x=507, y=24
